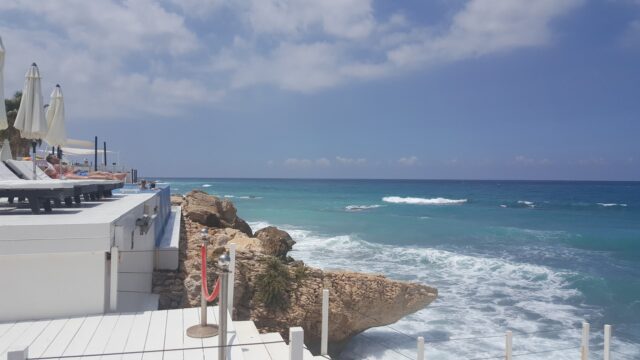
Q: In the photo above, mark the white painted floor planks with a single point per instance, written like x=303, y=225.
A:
x=149, y=335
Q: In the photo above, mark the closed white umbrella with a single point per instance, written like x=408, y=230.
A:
x=57, y=135
x=30, y=120
x=3, y=111
x=5, y=152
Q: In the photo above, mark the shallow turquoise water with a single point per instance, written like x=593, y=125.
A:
x=528, y=256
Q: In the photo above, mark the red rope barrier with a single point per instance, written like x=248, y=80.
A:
x=203, y=269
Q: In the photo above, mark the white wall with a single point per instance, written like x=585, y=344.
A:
x=51, y=285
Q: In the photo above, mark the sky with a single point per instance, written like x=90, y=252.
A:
x=441, y=89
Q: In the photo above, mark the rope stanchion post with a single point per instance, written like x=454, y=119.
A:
x=508, y=346
x=223, y=263
x=420, y=348
x=607, y=342
x=324, y=338
x=584, y=345
x=203, y=330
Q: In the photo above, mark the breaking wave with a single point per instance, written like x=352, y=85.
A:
x=361, y=207
x=206, y=185
x=611, y=204
x=530, y=204
x=478, y=295
x=422, y=201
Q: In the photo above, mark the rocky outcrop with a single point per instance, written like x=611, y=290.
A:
x=275, y=242
x=357, y=301
x=211, y=211
x=273, y=290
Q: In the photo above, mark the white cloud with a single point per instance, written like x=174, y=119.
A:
x=295, y=162
x=86, y=47
x=144, y=56
x=323, y=162
x=351, y=19
x=307, y=163
x=298, y=61
x=408, y=161
x=351, y=161
x=526, y=161
x=484, y=27
x=595, y=161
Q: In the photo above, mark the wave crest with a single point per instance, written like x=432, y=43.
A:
x=422, y=201
x=611, y=204
x=360, y=207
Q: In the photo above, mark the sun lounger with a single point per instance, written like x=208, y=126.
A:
x=90, y=189
x=40, y=193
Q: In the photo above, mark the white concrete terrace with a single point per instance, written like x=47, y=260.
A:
x=159, y=334
x=83, y=228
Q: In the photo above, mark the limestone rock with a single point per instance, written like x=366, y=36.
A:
x=357, y=301
x=275, y=242
x=211, y=211
x=176, y=200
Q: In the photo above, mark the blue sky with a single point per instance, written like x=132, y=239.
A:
x=473, y=89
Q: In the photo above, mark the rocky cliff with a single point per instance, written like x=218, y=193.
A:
x=275, y=291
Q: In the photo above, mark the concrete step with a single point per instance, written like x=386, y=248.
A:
x=248, y=334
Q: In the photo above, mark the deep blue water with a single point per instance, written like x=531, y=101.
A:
x=527, y=256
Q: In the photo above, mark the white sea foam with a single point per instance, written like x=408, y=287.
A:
x=422, y=201
x=530, y=204
x=478, y=296
x=229, y=196
x=361, y=207
x=206, y=185
x=503, y=206
x=611, y=204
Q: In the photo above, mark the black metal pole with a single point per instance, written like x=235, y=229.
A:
x=95, y=155
x=105, y=153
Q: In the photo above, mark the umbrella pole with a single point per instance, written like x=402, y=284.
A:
x=33, y=145
x=60, y=161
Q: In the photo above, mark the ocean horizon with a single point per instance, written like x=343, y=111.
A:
x=530, y=256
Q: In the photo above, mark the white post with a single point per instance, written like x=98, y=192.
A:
x=508, y=346
x=113, y=291
x=20, y=352
x=296, y=343
x=584, y=346
x=607, y=342
x=232, y=276
x=324, y=338
x=420, y=348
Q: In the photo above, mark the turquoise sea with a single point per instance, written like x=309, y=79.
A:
x=529, y=256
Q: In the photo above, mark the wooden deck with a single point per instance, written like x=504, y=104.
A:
x=156, y=335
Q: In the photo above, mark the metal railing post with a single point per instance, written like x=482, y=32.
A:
x=232, y=275
x=420, y=348
x=607, y=342
x=584, y=345
x=508, y=346
x=223, y=262
x=203, y=297
x=324, y=341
